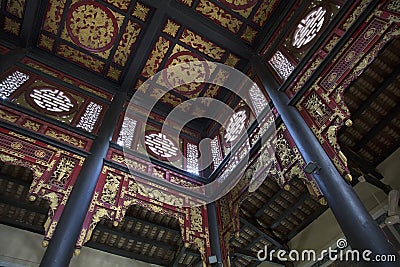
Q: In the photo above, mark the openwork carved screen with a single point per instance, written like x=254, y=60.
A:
x=309, y=27
x=236, y=124
x=52, y=101
x=88, y=121
x=192, y=162
x=161, y=146
x=127, y=133
x=216, y=152
x=281, y=65
x=257, y=99
x=300, y=36
x=10, y=84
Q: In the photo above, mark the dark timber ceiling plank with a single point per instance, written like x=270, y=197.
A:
x=307, y=221
x=365, y=104
x=254, y=228
x=23, y=205
x=260, y=211
x=393, y=113
x=135, y=237
x=363, y=164
x=179, y=256
x=290, y=210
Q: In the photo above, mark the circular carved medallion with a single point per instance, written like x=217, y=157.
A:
x=309, y=27
x=51, y=101
x=198, y=69
x=161, y=146
x=91, y=26
x=238, y=4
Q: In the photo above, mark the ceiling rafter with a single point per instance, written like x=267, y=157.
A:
x=253, y=227
x=393, y=113
x=389, y=80
x=290, y=210
x=132, y=236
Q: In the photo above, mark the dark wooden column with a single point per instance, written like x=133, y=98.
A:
x=215, y=241
x=356, y=223
x=62, y=244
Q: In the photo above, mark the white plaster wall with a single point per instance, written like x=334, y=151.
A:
x=19, y=248
x=325, y=231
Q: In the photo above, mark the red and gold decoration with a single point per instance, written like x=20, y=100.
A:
x=13, y=16
x=54, y=171
x=323, y=106
x=92, y=35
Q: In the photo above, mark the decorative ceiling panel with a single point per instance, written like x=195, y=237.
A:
x=11, y=15
x=244, y=18
x=179, y=44
x=100, y=36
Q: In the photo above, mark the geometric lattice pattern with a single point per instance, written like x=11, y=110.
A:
x=12, y=83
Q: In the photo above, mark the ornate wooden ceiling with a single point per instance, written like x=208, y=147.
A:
x=129, y=41
x=139, y=38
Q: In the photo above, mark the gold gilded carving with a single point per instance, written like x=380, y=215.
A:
x=46, y=42
x=158, y=173
x=110, y=189
x=219, y=15
x=65, y=138
x=16, y=145
x=263, y=12
x=181, y=182
x=11, y=26
x=249, y=34
x=113, y=73
x=31, y=125
x=200, y=244
x=80, y=58
x=317, y=109
x=53, y=199
x=129, y=38
x=53, y=16
x=153, y=63
x=196, y=219
x=164, y=197
x=348, y=177
x=121, y=4
x=204, y=46
x=171, y=28
x=331, y=135
x=187, y=2
x=45, y=243
x=285, y=154
x=394, y=6
x=16, y=7
x=133, y=187
x=100, y=213
x=332, y=43
x=307, y=74
x=91, y=27
x=359, y=9
x=7, y=116
x=63, y=171
x=140, y=11
x=7, y=158
x=232, y=60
